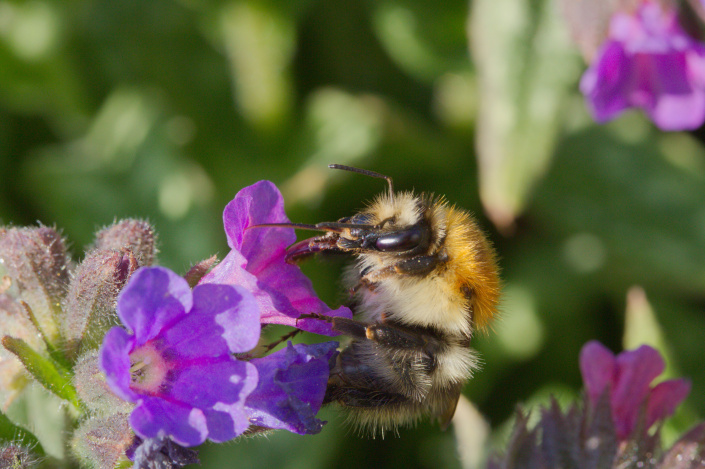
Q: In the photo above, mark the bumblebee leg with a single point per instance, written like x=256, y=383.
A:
x=363, y=397
x=384, y=359
x=308, y=247
x=370, y=280
x=343, y=325
x=420, y=265
x=316, y=316
x=283, y=338
x=400, y=337
x=355, y=382
x=350, y=327
x=388, y=334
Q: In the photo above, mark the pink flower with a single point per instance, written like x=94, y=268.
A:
x=648, y=62
x=257, y=263
x=627, y=380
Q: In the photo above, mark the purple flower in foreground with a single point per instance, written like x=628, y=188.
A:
x=291, y=388
x=648, y=62
x=176, y=362
x=627, y=379
x=256, y=261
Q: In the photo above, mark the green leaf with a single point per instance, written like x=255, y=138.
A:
x=526, y=67
x=18, y=435
x=49, y=373
x=641, y=326
x=259, y=43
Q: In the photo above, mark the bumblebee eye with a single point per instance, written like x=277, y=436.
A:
x=400, y=240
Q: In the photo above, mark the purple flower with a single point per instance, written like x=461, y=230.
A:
x=256, y=261
x=176, y=362
x=627, y=379
x=291, y=388
x=648, y=62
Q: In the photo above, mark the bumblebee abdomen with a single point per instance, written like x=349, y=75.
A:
x=384, y=387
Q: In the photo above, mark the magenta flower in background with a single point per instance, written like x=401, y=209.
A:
x=648, y=62
x=175, y=363
x=611, y=427
x=627, y=380
x=256, y=261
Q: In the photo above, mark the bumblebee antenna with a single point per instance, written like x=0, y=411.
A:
x=366, y=172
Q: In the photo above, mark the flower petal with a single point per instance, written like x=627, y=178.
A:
x=679, y=105
x=241, y=325
x=597, y=365
x=291, y=388
x=604, y=83
x=189, y=386
x=625, y=381
x=635, y=370
x=207, y=382
x=223, y=319
x=288, y=294
x=256, y=204
x=115, y=362
x=221, y=424
x=664, y=399
x=153, y=298
x=257, y=261
x=155, y=417
x=226, y=421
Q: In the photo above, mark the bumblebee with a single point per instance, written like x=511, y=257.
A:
x=424, y=278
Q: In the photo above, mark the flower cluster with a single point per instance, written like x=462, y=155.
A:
x=153, y=362
x=626, y=379
x=648, y=61
x=177, y=365
x=614, y=428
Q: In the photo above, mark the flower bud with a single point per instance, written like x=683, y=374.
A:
x=198, y=271
x=93, y=390
x=89, y=306
x=101, y=442
x=163, y=452
x=136, y=235
x=37, y=261
x=13, y=456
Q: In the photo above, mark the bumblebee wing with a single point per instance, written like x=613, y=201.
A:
x=448, y=406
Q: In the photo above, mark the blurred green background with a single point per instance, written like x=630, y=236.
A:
x=164, y=109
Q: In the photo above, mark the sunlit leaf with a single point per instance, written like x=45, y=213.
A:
x=47, y=372
x=525, y=67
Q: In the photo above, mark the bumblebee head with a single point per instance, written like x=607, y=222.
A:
x=394, y=224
